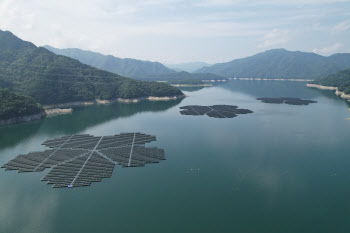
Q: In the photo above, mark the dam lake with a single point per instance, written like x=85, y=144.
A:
x=281, y=169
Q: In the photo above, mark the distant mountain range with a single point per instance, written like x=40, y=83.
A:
x=280, y=63
x=127, y=67
x=50, y=78
x=271, y=64
x=188, y=67
x=137, y=69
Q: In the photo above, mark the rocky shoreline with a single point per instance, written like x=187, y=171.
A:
x=121, y=100
x=322, y=87
x=43, y=114
x=337, y=92
x=57, y=111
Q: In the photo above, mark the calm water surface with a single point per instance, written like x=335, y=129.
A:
x=281, y=169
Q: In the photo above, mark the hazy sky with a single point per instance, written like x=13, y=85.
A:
x=174, y=31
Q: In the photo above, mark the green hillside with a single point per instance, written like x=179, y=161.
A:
x=340, y=79
x=280, y=63
x=12, y=105
x=50, y=78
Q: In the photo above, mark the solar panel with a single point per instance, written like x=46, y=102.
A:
x=78, y=160
x=216, y=111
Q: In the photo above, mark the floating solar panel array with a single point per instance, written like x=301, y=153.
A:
x=286, y=100
x=78, y=160
x=216, y=111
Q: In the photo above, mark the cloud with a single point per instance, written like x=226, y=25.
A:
x=276, y=37
x=329, y=49
x=341, y=27
x=129, y=28
x=224, y=3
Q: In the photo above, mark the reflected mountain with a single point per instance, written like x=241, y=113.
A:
x=331, y=95
x=258, y=89
x=82, y=118
x=190, y=89
x=12, y=134
x=197, y=88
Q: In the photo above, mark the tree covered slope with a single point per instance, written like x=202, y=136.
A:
x=280, y=63
x=50, y=78
x=12, y=105
x=340, y=79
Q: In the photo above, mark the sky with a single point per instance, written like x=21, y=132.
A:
x=177, y=31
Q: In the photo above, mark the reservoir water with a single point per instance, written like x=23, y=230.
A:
x=283, y=168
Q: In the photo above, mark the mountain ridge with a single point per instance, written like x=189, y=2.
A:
x=281, y=63
x=50, y=78
x=133, y=68
x=128, y=67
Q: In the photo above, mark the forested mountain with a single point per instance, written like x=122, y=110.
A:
x=50, y=78
x=12, y=105
x=340, y=79
x=280, y=63
x=128, y=67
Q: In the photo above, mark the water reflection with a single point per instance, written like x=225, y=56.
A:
x=26, y=211
x=274, y=88
x=82, y=118
x=190, y=89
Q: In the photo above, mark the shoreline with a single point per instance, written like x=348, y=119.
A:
x=273, y=79
x=120, y=100
x=57, y=111
x=215, y=80
x=337, y=92
x=44, y=114
x=191, y=85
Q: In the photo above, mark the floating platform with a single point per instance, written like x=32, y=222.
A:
x=216, y=111
x=286, y=100
x=79, y=160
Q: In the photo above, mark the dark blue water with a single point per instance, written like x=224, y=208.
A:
x=281, y=169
